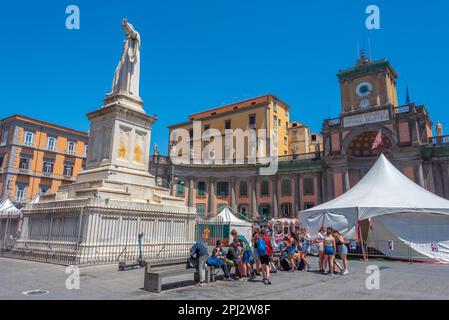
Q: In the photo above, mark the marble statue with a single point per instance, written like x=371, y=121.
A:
x=127, y=74
x=156, y=150
x=439, y=129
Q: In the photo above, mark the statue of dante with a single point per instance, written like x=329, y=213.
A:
x=127, y=74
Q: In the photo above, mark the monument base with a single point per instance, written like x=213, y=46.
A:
x=98, y=218
x=90, y=231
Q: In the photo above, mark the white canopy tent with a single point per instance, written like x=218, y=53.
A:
x=241, y=226
x=399, y=210
x=8, y=209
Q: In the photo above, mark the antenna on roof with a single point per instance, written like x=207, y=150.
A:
x=358, y=50
x=369, y=49
x=407, y=98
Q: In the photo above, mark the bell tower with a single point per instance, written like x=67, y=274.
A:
x=368, y=84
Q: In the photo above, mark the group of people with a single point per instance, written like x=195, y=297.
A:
x=251, y=261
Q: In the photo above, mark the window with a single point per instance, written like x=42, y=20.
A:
x=286, y=124
x=1, y=161
x=20, y=192
x=201, y=189
x=275, y=106
x=51, y=143
x=308, y=185
x=44, y=188
x=286, y=187
x=86, y=149
x=24, y=163
x=243, y=188
x=294, y=135
x=29, y=137
x=279, y=122
x=222, y=189
x=243, y=210
x=275, y=123
x=5, y=137
x=264, y=211
x=308, y=205
x=285, y=140
x=71, y=147
x=313, y=138
x=68, y=170
x=252, y=121
x=201, y=209
x=264, y=188
x=227, y=124
x=48, y=166
x=180, y=188
x=286, y=210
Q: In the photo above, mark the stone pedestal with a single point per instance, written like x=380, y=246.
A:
x=98, y=218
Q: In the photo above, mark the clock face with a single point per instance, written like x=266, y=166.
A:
x=364, y=89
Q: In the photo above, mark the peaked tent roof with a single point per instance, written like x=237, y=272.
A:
x=7, y=207
x=227, y=216
x=383, y=190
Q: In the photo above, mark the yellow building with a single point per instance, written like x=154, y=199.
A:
x=265, y=112
x=302, y=141
x=38, y=157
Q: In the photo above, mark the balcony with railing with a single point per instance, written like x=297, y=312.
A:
x=163, y=160
x=439, y=140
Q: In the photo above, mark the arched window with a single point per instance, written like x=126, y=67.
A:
x=361, y=145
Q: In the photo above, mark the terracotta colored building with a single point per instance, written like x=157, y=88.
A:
x=265, y=112
x=369, y=109
x=37, y=157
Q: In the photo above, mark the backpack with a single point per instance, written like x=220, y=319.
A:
x=261, y=247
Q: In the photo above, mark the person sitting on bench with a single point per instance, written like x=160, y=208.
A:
x=232, y=257
x=218, y=260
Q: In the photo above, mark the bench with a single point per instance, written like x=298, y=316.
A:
x=158, y=270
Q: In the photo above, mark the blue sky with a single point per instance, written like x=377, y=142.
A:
x=199, y=54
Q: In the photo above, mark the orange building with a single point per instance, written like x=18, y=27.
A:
x=37, y=157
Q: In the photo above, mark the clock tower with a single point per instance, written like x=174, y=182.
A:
x=368, y=84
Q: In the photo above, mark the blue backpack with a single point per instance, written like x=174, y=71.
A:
x=261, y=247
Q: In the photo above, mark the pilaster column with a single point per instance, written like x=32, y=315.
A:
x=211, y=202
x=274, y=181
x=346, y=184
x=297, y=193
x=233, y=197
x=254, y=209
x=419, y=174
x=190, y=201
x=319, y=179
x=445, y=179
x=430, y=184
x=330, y=184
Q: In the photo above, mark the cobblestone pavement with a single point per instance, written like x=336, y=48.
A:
x=398, y=280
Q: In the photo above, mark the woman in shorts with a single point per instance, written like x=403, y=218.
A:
x=330, y=249
x=320, y=242
x=292, y=247
x=342, y=251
